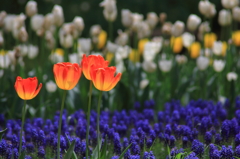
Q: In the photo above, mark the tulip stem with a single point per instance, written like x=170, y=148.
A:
x=98, y=131
x=88, y=117
x=110, y=28
x=21, y=131
x=60, y=124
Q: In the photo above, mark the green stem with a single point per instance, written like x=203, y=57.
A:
x=21, y=131
x=88, y=116
x=60, y=124
x=98, y=130
x=110, y=29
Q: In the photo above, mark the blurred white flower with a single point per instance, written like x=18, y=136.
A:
x=22, y=34
x=224, y=17
x=122, y=38
x=202, y=63
x=207, y=52
x=217, y=48
x=188, y=39
x=193, y=22
x=143, y=30
x=1, y=73
x=74, y=58
x=56, y=57
x=144, y=83
x=207, y=9
x=37, y=22
x=151, y=49
x=236, y=13
x=50, y=40
x=126, y=17
x=66, y=41
x=84, y=44
x=136, y=20
x=152, y=20
x=3, y=14
x=48, y=21
x=166, y=28
x=229, y=4
x=95, y=30
x=32, y=51
x=31, y=8
x=112, y=47
x=177, y=28
x=165, y=65
x=51, y=86
x=120, y=67
x=58, y=17
x=8, y=22
x=203, y=28
x=5, y=60
x=110, y=10
x=181, y=59
x=79, y=23
x=232, y=76
x=123, y=51
x=149, y=66
x=218, y=65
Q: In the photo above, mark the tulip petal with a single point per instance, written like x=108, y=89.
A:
x=19, y=87
x=30, y=85
x=98, y=83
x=108, y=77
x=114, y=82
x=37, y=90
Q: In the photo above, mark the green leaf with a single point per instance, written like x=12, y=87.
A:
x=122, y=155
x=70, y=151
x=1, y=133
x=95, y=151
x=104, y=150
x=74, y=154
x=22, y=156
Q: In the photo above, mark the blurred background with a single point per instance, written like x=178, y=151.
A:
x=92, y=14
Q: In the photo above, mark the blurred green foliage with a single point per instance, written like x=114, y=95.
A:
x=92, y=14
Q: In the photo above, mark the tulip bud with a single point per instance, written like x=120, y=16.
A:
x=188, y=39
x=224, y=17
x=8, y=22
x=120, y=67
x=123, y=52
x=181, y=59
x=207, y=9
x=122, y=38
x=74, y=58
x=193, y=22
x=126, y=18
x=149, y=66
x=50, y=40
x=162, y=17
x=165, y=65
x=95, y=30
x=136, y=20
x=23, y=35
x=152, y=20
x=111, y=47
x=144, y=83
x=218, y=65
x=217, y=48
x=110, y=10
x=48, y=21
x=232, y=76
x=31, y=8
x=67, y=41
x=177, y=28
x=84, y=45
x=37, y=22
x=166, y=28
x=51, y=86
x=143, y=30
x=229, y=4
x=79, y=23
x=202, y=63
x=32, y=51
x=236, y=13
x=58, y=15
x=3, y=14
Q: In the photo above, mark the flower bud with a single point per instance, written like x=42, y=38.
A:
x=58, y=15
x=144, y=83
x=217, y=48
x=232, y=76
x=218, y=65
x=111, y=47
x=193, y=22
x=149, y=66
x=188, y=39
x=224, y=17
x=48, y=21
x=74, y=58
x=95, y=30
x=207, y=9
x=236, y=13
x=79, y=23
x=195, y=49
x=23, y=35
x=32, y=51
x=31, y=8
x=166, y=28
x=165, y=65
x=120, y=67
x=110, y=10
x=50, y=40
x=122, y=38
x=143, y=30
x=126, y=18
x=177, y=28
x=136, y=20
x=51, y=86
x=152, y=20
x=37, y=22
x=1, y=39
x=229, y=4
x=8, y=22
x=202, y=63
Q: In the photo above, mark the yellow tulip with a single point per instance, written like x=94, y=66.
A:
x=224, y=48
x=236, y=38
x=194, y=50
x=209, y=39
x=109, y=56
x=176, y=44
x=102, y=37
x=141, y=45
x=134, y=56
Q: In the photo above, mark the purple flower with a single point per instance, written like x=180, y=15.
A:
x=192, y=155
x=218, y=139
x=197, y=147
x=208, y=137
x=134, y=157
x=237, y=151
x=227, y=152
x=184, y=141
x=41, y=152
x=148, y=155
x=117, y=144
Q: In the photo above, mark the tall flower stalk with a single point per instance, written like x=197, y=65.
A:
x=98, y=118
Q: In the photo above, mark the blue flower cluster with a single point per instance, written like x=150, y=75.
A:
x=199, y=129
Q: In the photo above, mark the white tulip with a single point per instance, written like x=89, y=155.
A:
x=123, y=51
x=31, y=8
x=5, y=60
x=229, y=4
x=112, y=47
x=110, y=10
x=149, y=66
x=58, y=15
x=181, y=59
x=95, y=30
x=177, y=28
x=74, y=58
x=136, y=20
x=152, y=20
x=202, y=63
x=126, y=18
x=144, y=83
x=218, y=65
x=120, y=67
x=51, y=86
x=122, y=38
x=217, y=48
x=193, y=22
x=84, y=44
x=232, y=76
x=55, y=57
x=207, y=9
x=151, y=49
x=79, y=23
x=8, y=22
x=188, y=39
x=3, y=15
x=143, y=30
x=165, y=65
x=224, y=17
x=32, y=51
x=37, y=22
x=236, y=13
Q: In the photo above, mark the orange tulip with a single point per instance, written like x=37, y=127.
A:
x=67, y=74
x=103, y=78
x=92, y=62
x=27, y=88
